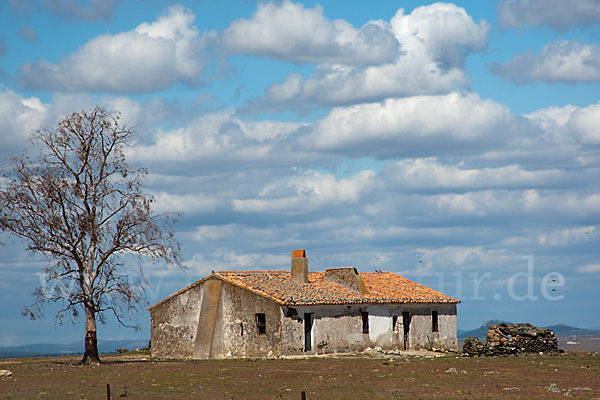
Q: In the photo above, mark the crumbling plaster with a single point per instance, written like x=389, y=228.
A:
x=336, y=328
x=174, y=323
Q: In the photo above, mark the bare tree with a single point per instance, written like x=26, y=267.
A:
x=80, y=205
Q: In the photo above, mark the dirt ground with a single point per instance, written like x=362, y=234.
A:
x=373, y=376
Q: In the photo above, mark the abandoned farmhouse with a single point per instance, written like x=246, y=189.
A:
x=275, y=313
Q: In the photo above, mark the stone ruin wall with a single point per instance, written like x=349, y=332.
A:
x=512, y=339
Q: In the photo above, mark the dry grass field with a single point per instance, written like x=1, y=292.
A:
x=575, y=374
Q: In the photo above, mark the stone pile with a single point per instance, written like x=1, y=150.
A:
x=508, y=339
x=473, y=347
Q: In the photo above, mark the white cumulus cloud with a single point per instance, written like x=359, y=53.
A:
x=306, y=193
x=571, y=203
x=571, y=123
x=289, y=31
x=435, y=40
x=19, y=116
x=563, y=61
x=585, y=121
x=154, y=56
x=221, y=140
x=429, y=173
x=412, y=126
x=563, y=237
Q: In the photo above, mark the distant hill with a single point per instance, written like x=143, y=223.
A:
x=56, y=349
x=560, y=330
x=482, y=330
x=563, y=330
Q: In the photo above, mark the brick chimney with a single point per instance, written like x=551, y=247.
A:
x=299, y=267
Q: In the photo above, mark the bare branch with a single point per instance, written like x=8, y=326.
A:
x=80, y=205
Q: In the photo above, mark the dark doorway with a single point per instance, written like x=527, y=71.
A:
x=406, y=323
x=365, y=322
x=308, y=324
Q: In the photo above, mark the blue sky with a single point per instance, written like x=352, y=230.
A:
x=457, y=144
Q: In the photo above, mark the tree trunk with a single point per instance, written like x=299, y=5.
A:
x=90, y=356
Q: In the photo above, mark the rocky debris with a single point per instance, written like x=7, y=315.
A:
x=509, y=339
x=553, y=387
x=455, y=371
x=473, y=347
x=5, y=373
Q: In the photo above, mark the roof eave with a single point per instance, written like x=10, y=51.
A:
x=366, y=301
x=185, y=289
x=251, y=290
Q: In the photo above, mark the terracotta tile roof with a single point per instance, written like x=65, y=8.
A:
x=384, y=287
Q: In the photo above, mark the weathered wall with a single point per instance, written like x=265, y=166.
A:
x=339, y=328
x=239, y=313
x=446, y=338
x=174, y=324
x=292, y=329
x=421, y=336
x=335, y=329
x=420, y=329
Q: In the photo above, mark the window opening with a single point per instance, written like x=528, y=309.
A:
x=395, y=323
x=261, y=323
x=434, y=321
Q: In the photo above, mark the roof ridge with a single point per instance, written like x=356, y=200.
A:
x=252, y=271
x=385, y=287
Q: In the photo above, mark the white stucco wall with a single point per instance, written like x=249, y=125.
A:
x=380, y=324
x=339, y=328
